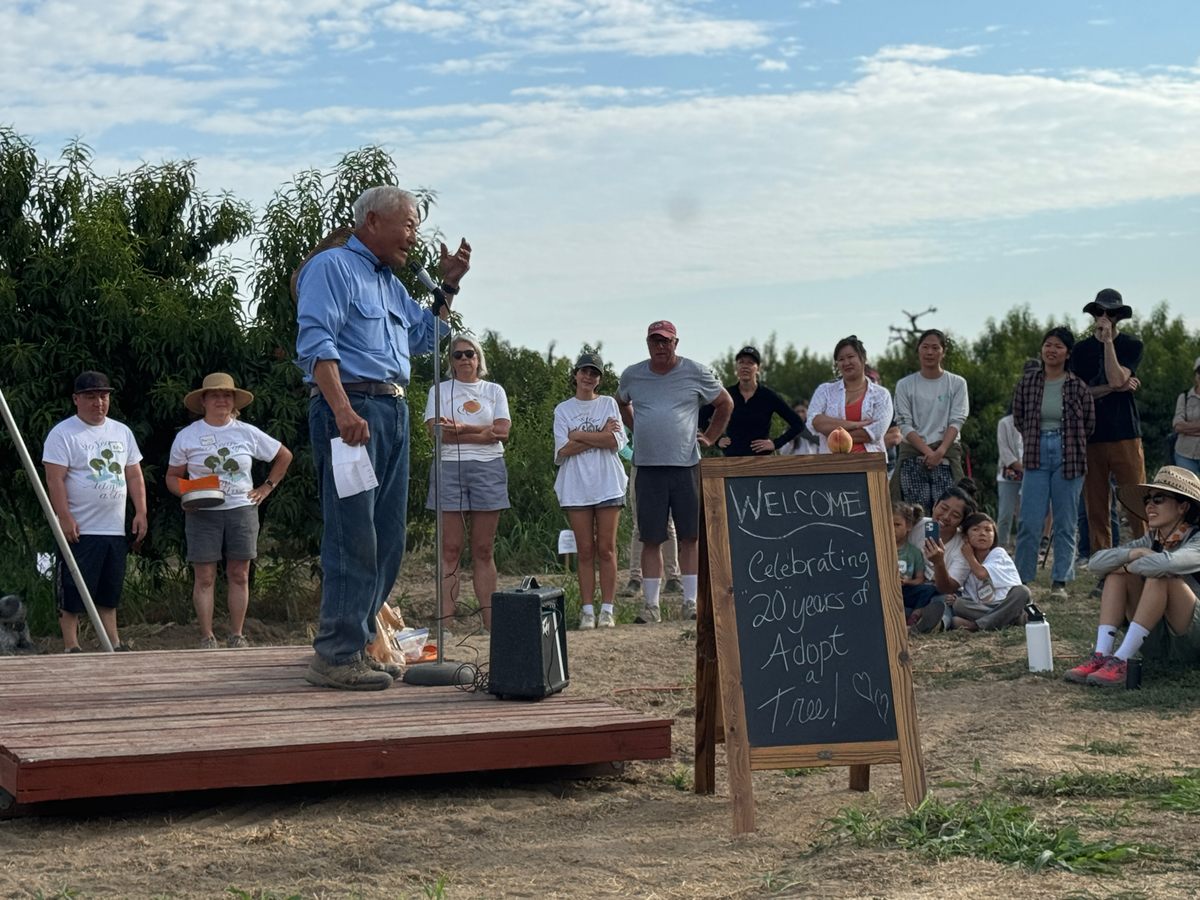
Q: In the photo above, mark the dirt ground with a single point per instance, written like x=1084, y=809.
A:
x=640, y=832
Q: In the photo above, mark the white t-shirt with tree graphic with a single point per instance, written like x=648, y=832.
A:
x=95, y=457
x=227, y=451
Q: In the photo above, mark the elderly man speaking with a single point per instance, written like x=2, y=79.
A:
x=358, y=331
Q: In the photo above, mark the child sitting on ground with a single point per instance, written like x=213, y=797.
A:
x=993, y=596
x=916, y=591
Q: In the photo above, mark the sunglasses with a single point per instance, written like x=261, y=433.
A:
x=460, y=354
x=1156, y=499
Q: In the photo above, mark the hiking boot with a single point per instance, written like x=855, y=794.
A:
x=236, y=642
x=587, y=621
x=673, y=586
x=1079, y=674
x=607, y=620
x=930, y=620
x=633, y=588
x=122, y=648
x=648, y=615
x=395, y=670
x=1109, y=675
x=208, y=643
x=351, y=676
x=1058, y=590
x=688, y=610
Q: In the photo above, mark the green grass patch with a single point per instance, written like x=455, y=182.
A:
x=1103, y=748
x=1184, y=797
x=986, y=829
x=1093, y=785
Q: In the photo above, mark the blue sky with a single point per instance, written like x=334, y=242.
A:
x=803, y=167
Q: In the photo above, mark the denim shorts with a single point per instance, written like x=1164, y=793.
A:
x=473, y=485
x=216, y=534
x=101, y=562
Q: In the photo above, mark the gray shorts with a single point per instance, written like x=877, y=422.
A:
x=603, y=504
x=216, y=534
x=471, y=485
x=1165, y=645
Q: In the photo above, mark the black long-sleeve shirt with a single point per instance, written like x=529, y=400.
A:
x=751, y=420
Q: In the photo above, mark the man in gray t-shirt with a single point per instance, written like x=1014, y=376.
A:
x=660, y=399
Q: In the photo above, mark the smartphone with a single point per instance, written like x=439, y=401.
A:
x=932, y=530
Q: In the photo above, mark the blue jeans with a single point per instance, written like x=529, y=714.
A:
x=1186, y=462
x=1045, y=489
x=363, y=540
x=1007, y=495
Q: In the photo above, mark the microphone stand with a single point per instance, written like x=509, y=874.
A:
x=441, y=672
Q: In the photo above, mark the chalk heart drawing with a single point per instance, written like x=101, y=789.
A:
x=861, y=684
x=472, y=406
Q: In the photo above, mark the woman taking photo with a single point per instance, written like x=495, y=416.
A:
x=853, y=402
x=590, y=485
x=1053, y=410
x=220, y=444
x=1150, y=584
x=475, y=423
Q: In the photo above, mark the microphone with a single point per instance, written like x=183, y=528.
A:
x=429, y=284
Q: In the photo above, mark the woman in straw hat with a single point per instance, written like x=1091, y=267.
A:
x=1151, y=582
x=220, y=444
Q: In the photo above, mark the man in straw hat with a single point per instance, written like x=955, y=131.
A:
x=358, y=330
x=92, y=468
x=1107, y=361
x=1150, y=583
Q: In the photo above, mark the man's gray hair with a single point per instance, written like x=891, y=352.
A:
x=474, y=345
x=386, y=198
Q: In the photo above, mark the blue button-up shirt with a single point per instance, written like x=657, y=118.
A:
x=356, y=312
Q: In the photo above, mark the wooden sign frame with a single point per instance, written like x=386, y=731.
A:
x=720, y=702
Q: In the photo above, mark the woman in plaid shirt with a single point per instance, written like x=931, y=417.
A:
x=1053, y=410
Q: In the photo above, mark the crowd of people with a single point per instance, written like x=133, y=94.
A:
x=1072, y=437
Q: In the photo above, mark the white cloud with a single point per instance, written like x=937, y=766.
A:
x=772, y=65
x=1101, y=23
x=921, y=53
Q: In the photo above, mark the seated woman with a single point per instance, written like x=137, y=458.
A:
x=946, y=568
x=992, y=597
x=1150, y=583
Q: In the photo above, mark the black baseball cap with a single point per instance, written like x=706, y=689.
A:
x=750, y=352
x=589, y=361
x=92, y=381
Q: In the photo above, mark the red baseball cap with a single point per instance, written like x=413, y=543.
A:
x=662, y=328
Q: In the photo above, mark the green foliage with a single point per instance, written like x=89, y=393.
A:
x=986, y=829
x=1098, y=785
x=1104, y=748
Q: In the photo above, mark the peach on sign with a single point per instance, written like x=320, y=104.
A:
x=839, y=441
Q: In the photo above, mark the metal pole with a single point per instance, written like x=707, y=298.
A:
x=440, y=672
x=64, y=545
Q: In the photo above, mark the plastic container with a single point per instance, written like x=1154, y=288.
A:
x=1037, y=640
x=411, y=642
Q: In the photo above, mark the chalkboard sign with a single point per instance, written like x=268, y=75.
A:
x=801, y=646
x=808, y=609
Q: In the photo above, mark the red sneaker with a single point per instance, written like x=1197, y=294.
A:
x=1079, y=674
x=1110, y=675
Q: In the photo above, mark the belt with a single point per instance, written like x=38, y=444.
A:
x=371, y=388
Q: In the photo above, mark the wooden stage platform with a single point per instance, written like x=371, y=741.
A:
x=99, y=724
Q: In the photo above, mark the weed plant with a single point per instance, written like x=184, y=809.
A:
x=985, y=829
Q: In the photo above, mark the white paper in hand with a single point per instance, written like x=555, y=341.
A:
x=566, y=542
x=352, y=470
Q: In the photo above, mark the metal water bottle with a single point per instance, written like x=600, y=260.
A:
x=1037, y=640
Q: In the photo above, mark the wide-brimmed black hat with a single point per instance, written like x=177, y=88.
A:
x=1109, y=301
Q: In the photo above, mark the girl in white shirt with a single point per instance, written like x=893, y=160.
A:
x=992, y=596
x=588, y=436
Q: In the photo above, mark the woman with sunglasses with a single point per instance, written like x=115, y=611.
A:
x=1150, y=584
x=475, y=423
x=1054, y=412
x=590, y=484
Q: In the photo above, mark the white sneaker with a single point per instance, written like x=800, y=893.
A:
x=587, y=620
x=607, y=620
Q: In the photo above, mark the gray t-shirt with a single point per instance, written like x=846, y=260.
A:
x=665, y=410
x=929, y=406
